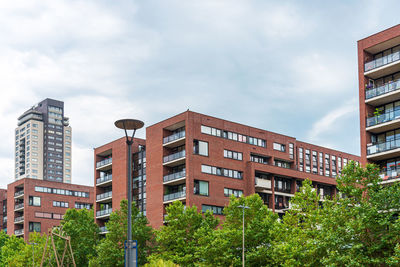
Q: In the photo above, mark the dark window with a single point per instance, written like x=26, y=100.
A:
x=34, y=227
x=34, y=201
x=200, y=147
x=200, y=188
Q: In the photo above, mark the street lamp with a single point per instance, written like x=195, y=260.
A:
x=129, y=124
x=243, y=207
x=33, y=253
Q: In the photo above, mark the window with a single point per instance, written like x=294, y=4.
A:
x=233, y=154
x=282, y=164
x=200, y=147
x=34, y=201
x=79, y=205
x=279, y=147
x=34, y=125
x=259, y=158
x=283, y=185
x=215, y=209
x=228, y=192
x=34, y=227
x=222, y=172
x=200, y=188
x=60, y=204
x=291, y=150
x=233, y=136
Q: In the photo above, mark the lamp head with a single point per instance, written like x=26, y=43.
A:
x=129, y=124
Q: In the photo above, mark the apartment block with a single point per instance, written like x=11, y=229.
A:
x=43, y=143
x=379, y=98
x=202, y=160
x=37, y=205
x=110, y=172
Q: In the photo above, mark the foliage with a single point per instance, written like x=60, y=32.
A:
x=84, y=233
x=178, y=241
x=160, y=263
x=3, y=240
x=110, y=251
x=223, y=247
x=10, y=252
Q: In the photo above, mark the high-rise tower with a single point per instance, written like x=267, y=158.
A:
x=43, y=143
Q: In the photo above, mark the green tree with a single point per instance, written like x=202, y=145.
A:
x=3, y=240
x=110, y=251
x=223, y=247
x=178, y=241
x=11, y=250
x=80, y=226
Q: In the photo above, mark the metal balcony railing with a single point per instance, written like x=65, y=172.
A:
x=379, y=62
x=383, y=89
x=19, y=193
x=178, y=155
x=18, y=206
x=19, y=219
x=103, y=229
x=174, y=176
x=176, y=195
x=103, y=162
x=174, y=137
x=19, y=232
x=104, y=179
x=386, y=117
x=104, y=195
x=103, y=212
x=384, y=146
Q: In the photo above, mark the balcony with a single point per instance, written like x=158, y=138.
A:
x=103, y=181
x=175, y=196
x=390, y=175
x=5, y=219
x=384, y=122
x=175, y=159
x=19, y=220
x=263, y=183
x=105, y=164
x=103, y=230
x=101, y=214
x=19, y=194
x=174, y=140
x=382, y=66
x=19, y=206
x=105, y=197
x=174, y=178
x=385, y=150
x=19, y=232
x=386, y=93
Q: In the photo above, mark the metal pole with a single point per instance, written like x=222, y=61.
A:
x=141, y=178
x=33, y=255
x=129, y=143
x=243, y=238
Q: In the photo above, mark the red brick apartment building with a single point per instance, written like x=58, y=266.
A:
x=201, y=160
x=36, y=205
x=379, y=98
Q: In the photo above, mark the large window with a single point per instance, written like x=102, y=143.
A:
x=283, y=185
x=233, y=136
x=222, y=171
x=215, y=209
x=61, y=191
x=200, y=147
x=61, y=204
x=34, y=227
x=279, y=147
x=34, y=201
x=282, y=163
x=233, y=154
x=259, y=158
x=236, y=192
x=200, y=188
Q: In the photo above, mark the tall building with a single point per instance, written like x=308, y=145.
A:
x=379, y=98
x=3, y=210
x=43, y=143
x=202, y=160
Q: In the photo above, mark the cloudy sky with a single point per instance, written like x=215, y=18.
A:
x=284, y=66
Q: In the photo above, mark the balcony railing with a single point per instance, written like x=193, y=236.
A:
x=379, y=62
x=19, y=232
x=174, y=137
x=4, y=219
x=390, y=173
x=104, y=179
x=19, y=206
x=388, y=116
x=174, y=176
x=174, y=156
x=103, y=229
x=176, y=195
x=103, y=162
x=382, y=147
x=103, y=212
x=383, y=89
x=19, y=193
x=104, y=195
x=19, y=219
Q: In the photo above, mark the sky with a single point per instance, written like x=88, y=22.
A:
x=285, y=66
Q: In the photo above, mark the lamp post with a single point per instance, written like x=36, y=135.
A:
x=243, y=207
x=129, y=124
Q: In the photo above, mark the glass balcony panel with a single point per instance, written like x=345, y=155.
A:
x=104, y=179
x=176, y=195
x=382, y=147
x=173, y=137
x=174, y=176
x=104, y=195
x=103, y=162
x=174, y=156
x=379, y=62
x=103, y=212
x=383, y=89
